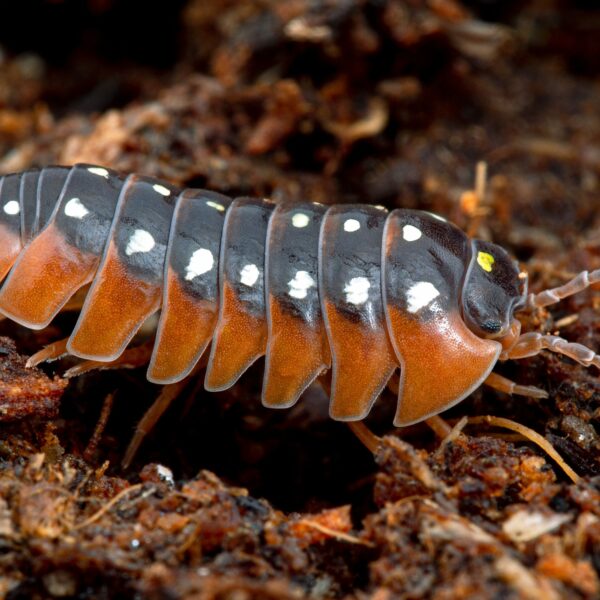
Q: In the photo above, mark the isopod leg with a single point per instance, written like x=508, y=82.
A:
x=530, y=344
x=166, y=397
x=366, y=437
x=502, y=384
x=438, y=426
x=51, y=352
x=132, y=358
x=168, y=393
x=92, y=446
x=554, y=295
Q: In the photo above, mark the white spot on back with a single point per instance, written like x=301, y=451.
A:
x=75, y=209
x=99, y=171
x=300, y=285
x=351, y=225
x=357, y=290
x=215, y=205
x=249, y=275
x=411, y=233
x=201, y=261
x=12, y=207
x=161, y=189
x=419, y=295
x=140, y=241
x=300, y=220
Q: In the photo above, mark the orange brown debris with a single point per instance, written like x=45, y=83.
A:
x=312, y=529
x=431, y=518
x=26, y=392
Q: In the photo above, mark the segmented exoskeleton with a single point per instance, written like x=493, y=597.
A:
x=347, y=287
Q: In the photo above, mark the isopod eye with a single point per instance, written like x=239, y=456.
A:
x=492, y=290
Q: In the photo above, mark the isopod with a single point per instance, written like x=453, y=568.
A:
x=351, y=288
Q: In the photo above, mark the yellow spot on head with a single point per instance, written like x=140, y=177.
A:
x=485, y=261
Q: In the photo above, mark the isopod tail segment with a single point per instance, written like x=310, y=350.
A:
x=350, y=288
x=64, y=254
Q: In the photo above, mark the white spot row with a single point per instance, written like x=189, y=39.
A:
x=12, y=207
x=357, y=290
x=300, y=285
x=420, y=295
x=300, y=220
x=75, y=209
x=249, y=275
x=351, y=225
x=140, y=241
x=201, y=261
x=411, y=233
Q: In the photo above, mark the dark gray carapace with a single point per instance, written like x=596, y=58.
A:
x=351, y=288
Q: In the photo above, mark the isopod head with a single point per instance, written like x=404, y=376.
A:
x=493, y=290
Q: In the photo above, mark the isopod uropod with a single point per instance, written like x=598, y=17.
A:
x=347, y=287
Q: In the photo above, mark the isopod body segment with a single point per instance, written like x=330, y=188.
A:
x=351, y=288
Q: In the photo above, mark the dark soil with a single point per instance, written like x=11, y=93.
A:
x=381, y=101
